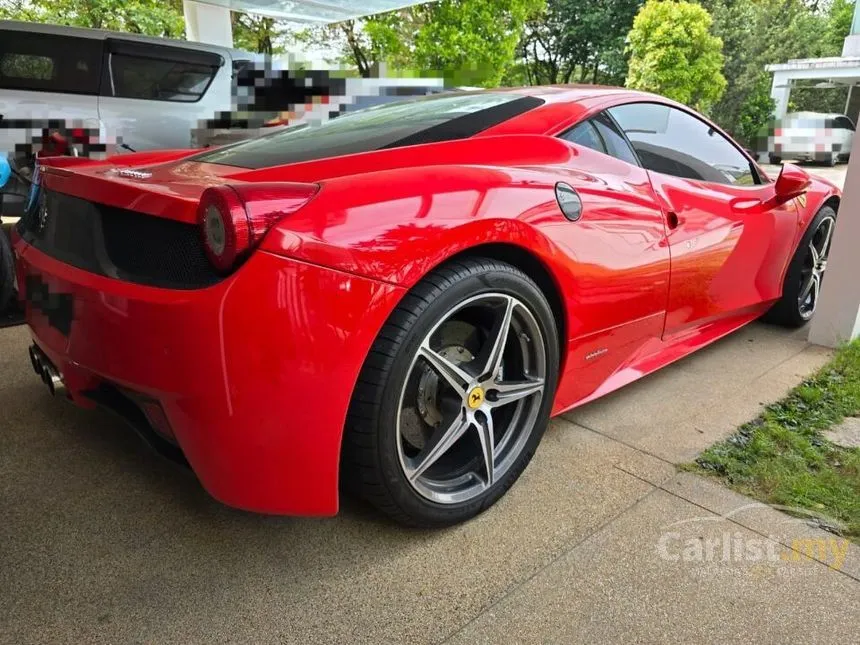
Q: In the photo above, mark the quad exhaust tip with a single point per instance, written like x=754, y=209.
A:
x=48, y=373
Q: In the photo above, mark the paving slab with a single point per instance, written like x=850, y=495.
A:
x=638, y=580
x=677, y=412
x=846, y=434
x=793, y=528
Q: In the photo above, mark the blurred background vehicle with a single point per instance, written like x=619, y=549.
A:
x=811, y=136
x=122, y=90
x=286, y=100
x=88, y=92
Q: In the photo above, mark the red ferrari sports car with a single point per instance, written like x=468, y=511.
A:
x=398, y=300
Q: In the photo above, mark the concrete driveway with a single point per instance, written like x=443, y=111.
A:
x=102, y=541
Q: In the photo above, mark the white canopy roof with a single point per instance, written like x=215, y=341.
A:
x=318, y=11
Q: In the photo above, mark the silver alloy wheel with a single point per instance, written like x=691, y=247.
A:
x=814, y=266
x=485, y=364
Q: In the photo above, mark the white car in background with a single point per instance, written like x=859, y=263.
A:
x=811, y=136
x=124, y=91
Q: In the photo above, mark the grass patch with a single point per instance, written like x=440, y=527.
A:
x=782, y=457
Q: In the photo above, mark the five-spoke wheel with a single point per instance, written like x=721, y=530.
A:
x=471, y=397
x=814, y=265
x=454, y=396
x=805, y=273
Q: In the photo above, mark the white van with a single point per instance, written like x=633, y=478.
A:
x=139, y=92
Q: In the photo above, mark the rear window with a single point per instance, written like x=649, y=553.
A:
x=49, y=63
x=426, y=120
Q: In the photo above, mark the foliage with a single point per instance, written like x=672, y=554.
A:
x=782, y=457
x=578, y=40
x=673, y=53
x=471, y=42
x=150, y=17
x=755, y=112
x=839, y=21
x=466, y=41
x=756, y=33
x=257, y=33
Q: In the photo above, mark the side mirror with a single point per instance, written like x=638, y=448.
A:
x=5, y=170
x=792, y=182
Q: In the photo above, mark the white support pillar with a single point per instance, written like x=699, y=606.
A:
x=206, y=23
x=837, y=315
x=780, y=92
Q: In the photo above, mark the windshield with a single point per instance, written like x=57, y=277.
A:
x=425, y=120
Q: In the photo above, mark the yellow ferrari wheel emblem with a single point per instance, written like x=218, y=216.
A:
x=476, y=398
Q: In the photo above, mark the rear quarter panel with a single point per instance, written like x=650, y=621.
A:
x=610, y=268
x=819, y=193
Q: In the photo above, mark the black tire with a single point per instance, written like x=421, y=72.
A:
x=775, y=160
x=371, y=467
x=7, y=272
x=787, y=310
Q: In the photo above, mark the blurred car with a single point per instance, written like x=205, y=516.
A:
x=811, y=136
x=109, y=88
x=276, y=105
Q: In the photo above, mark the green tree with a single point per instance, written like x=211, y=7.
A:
x=365, y=44
x=839, y=19
x=756, y=33
x=755, y=112
x=469, y=42
x=151, y=17
x=580, y=40
x=259, y=34
x=673, y=53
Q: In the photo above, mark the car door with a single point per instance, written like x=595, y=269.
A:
x=618, y=260
x=153, y=96
x=727, y=257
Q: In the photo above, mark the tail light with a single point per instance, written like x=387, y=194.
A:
x=233, y=219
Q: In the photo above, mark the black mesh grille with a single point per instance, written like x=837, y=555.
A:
x=118, y=243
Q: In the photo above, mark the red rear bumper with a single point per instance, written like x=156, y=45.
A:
x=254, y=374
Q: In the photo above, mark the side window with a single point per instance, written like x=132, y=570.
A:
x=159, y=80
x=585, y=134
x=614, y=140
x=673, y=142
x=48, y=63
x=844, y=123
x=140, y=71
x=24, y=67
